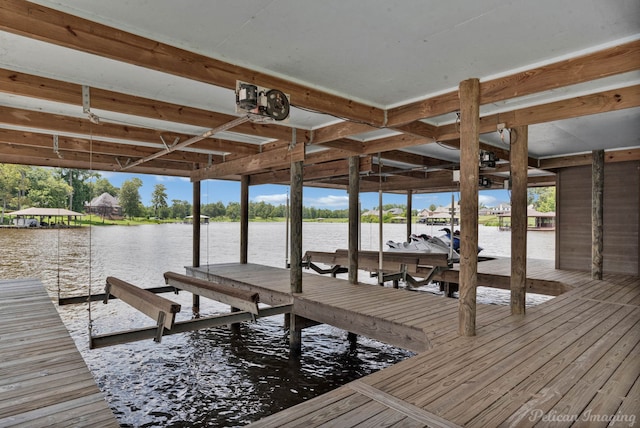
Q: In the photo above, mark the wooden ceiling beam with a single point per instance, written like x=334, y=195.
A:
x=93, y=166
x=607, y=62
x=56, y=27
x=279, y=159
x=393, y=143
x=74, y=144
x=31, y=155
x=339, y=130
x=28, y=85
x=396, y=183
x=610, y=156
x=413, y=159
x=54, y=123
x=419, y=129
x=601, y=102
x=339, y=168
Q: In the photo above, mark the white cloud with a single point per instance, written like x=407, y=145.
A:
x=330, y=201
x=272, y=199
x=487, y=200
x=164, y=178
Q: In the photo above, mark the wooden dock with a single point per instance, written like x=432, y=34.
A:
x=43, y=379
x=574, y=360
x=407, y=319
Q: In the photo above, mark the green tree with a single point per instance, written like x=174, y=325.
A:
x=432, y=207
x=233, y=210
x=159, y=198
x=81, y=185
x=103, y=185
x=180, y=209
x=130, y=197
x=543, y=199
x=46, y=189
x=11, y=177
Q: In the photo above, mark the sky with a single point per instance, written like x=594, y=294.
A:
x=229, y=191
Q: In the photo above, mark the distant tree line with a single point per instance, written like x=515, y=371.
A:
x=27, y=186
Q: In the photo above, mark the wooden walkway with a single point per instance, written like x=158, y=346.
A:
x=572, y=361
x=44, y=381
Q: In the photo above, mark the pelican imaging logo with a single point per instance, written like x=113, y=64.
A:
x=617, y=419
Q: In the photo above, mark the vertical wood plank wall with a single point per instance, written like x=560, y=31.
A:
x=621, y=218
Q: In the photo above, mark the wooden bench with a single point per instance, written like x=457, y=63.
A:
x=156, y=307
x=240, y=299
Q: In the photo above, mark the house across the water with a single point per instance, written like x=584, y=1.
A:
x=535, y=220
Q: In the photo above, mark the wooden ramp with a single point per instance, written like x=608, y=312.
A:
x=43, y=379
x=407, y=319
x=572, y=361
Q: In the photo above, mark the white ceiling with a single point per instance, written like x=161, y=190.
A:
x=381, y=52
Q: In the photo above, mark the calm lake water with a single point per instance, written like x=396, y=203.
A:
x=209, y=378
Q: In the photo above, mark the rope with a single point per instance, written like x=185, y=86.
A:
x=90, y=323
x=58, y=260
x=209, y=221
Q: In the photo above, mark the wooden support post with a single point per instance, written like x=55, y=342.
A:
x=196, y=239
x=409, y=217
x=469, y=174
x=597, y=214
x=354, y=217
x=519, y=164
x=296, y=227
x=295, y=337
x=352, y=338
x=295, y=333
x=244, y=218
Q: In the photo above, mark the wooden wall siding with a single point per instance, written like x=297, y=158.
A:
x=621, y=218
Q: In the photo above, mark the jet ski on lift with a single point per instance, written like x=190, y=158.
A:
x=456, y=239
x=423, y=244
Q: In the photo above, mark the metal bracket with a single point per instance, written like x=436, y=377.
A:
x=86, y=99
x=160, y=329
x=107, y=288
x=86, y=105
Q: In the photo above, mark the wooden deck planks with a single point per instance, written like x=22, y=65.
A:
x=43, y=379
x=577, y=353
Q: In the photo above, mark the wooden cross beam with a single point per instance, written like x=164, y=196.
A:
x=240, y=299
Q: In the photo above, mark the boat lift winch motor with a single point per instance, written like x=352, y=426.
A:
x=262, y=103
x=488, y=159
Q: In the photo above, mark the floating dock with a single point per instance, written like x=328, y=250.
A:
x=43, y=379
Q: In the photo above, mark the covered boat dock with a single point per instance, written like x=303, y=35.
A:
x=410, y=99
x=45, y=217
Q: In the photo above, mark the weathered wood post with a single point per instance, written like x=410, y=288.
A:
x=409, y=217
x=295, y=332
x=244, y=218
x=244, y=235
x=519, y=154
x=196, y=239
x=469, y=93
x=354, y=222
x=597, y=213
x=354, y=217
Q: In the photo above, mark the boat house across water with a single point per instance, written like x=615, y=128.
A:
x=536, y=220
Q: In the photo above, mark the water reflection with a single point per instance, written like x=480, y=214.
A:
x=210, y=377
